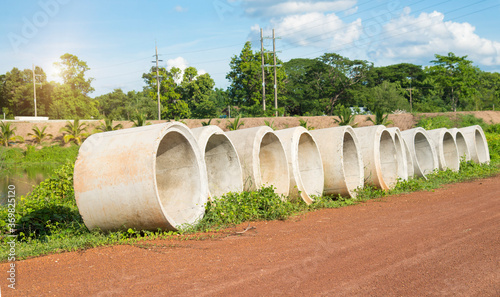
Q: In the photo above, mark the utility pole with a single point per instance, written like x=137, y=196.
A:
x=34, y=86
x=158, y=80
x=267, y=65
x=263, y=73
x=411, y=103
x=275, y=77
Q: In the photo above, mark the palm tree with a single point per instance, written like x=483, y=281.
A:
x=345, y=117
x=75, y=131
x=8, y=135
x=108, y=126
x=303, y=123
x=380, y=118
x=236, y=124
x=270, y=124
x=38, y=135
x=140, y=120
x=207, y=123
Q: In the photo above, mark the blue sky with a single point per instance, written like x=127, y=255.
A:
x=117, y=38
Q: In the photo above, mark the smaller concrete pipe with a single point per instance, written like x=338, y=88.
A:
x=422, y=151
x=477, y=144
x=379, y=156
x=342, y=161
x=263, y=159
x=400, y=152
x=446, y=149
x=409, y=159
x=144, y=178
x=304, y=163
x=221, y=159
x=463, y=149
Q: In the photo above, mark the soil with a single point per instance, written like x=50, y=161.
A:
x=403, y=121
x=439, y=243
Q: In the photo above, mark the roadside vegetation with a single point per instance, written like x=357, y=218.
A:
x=47, y=219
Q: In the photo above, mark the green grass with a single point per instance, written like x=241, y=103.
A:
x=49, y=156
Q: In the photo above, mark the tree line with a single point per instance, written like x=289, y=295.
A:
x=321, y=86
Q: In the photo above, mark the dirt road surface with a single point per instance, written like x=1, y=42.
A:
x=442, y=243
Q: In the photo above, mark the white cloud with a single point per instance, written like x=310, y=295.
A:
x=427, y=34
x=179, y=8
x=283, y=7
x=317, y=29
x=178, y=62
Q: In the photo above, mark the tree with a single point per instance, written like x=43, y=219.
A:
x=74, y=131
x=196, y=90
x=456, y=76
x=108, y=126
x=113, y=105
x=8, y=134
x=385, y=97
x=39, y=135
x=72, y=71
x=337, y=75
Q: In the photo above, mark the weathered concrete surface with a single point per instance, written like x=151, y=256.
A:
x=144, y=178
x=477, y=144
x=342, y=160
x=463, y=149
x=379, y=156
x=401, y=155
x=304, y=163
x=422, y=151
x=263, y=159
x=446, y=149
x=221, y=159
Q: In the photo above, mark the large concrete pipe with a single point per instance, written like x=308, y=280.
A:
x=342, y=161
x=477, y=144
x=463, y=149
x=304, y=163
x=263, y=159
x=400, y=152
x=379, y=156
x=409, y=159
x=446, y=149
x=144, y=178
x=222, y=161
x=422, y=151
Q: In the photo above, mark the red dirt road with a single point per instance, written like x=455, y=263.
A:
x=442, y=243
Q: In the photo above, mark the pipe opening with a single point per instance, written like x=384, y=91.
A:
x=402, y=171
x=310, y=166
x=463, y=151
x=223, y=167
x=481, y=150
x=388, y=162
x=273, y=163
x=351, y=164
x=423, y=154
x=450, y=152
x=178, y=179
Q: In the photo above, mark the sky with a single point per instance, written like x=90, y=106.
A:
x=117, y=39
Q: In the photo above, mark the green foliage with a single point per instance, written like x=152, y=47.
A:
x=235, y=124
x=74, y=131
x=206, y=123
x=108, y=126
x=345, y=116
x=16, y=157
x=270, y=124
x=435, y=122
x=469, y=120
x=139, y=120
x=8, y=134
x=380, y=118
x=39, y=135
x=303, y=123
x=493, y=139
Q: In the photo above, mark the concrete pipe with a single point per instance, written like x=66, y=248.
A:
x=143, y=178
x=422, y=151
x=401, y=155
x=379, y=156
x=222, y=162
x=477, y=144
x=342, y=161
x=446, y=149
x=463, y=149
x=263, y=159
x=304, y=163
x=409, y=159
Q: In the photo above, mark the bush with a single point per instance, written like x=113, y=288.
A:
x=429, y=123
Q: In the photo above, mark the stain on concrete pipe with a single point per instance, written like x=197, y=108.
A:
x=221, y=159
x=463, y=149
x=304, y=163
x=143, y=178
x=446, y=149
x=379, y=156
x=342, y=160
x=401, y=155
x=477, y=144
x=422, y=151
x=263, y=159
